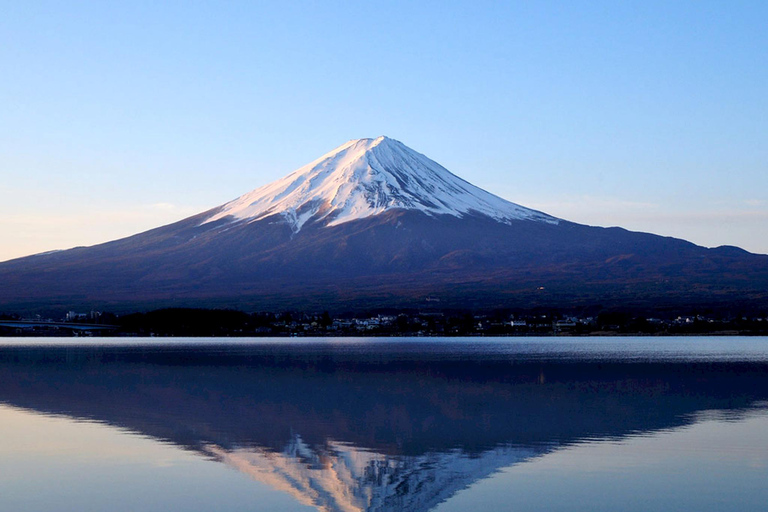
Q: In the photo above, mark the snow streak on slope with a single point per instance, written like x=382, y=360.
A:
x=366, y=177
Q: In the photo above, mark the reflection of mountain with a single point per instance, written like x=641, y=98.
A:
x=369, y=429
x=345, y=478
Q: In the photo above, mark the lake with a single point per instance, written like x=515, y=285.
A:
x=412, y=424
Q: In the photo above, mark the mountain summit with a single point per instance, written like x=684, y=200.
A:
x=374, y=224
x=367, y=177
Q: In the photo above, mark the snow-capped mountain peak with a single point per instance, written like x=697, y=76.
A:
x=366, y=177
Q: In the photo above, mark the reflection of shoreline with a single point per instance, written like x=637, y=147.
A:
x=342, y=478
x=380, y=401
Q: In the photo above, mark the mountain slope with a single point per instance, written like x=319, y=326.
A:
x=374, y=224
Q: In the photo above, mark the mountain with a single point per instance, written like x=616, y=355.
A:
x=374, y=224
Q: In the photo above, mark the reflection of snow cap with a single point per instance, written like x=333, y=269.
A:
x=366, y=177
x=344, y=478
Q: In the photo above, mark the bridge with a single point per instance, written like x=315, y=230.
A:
x=22, y=324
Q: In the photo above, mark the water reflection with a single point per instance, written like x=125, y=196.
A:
x=345, y=428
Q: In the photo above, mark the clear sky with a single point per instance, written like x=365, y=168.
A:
x=116, y=117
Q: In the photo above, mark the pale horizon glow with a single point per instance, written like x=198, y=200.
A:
x=118, y=118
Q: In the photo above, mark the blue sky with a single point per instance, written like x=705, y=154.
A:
x=116, y=117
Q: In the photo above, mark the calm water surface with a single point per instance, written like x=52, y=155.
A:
x=578, y=424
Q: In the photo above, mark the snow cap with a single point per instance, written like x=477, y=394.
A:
x=365, y=177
